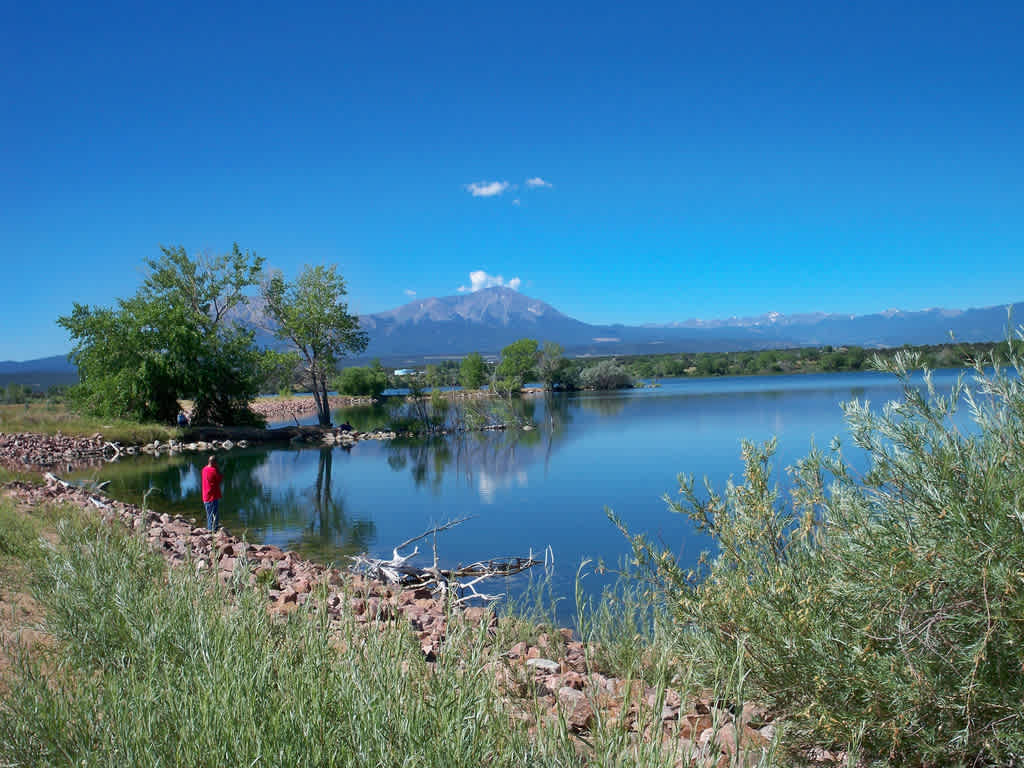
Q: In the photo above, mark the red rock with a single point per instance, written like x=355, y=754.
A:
x=693, y=725
x=475, y=614
x=578, y=712
x=574, y=680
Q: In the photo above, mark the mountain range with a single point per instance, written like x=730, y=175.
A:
x=486, y=320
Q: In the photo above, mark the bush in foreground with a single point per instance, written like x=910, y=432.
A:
x=886, y=609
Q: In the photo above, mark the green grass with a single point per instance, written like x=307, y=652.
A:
x=19, y=534
x=153, y=666
x=51, y=418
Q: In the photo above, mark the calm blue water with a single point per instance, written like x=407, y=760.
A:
x=528, y=490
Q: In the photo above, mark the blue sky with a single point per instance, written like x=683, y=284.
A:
x=697, y=159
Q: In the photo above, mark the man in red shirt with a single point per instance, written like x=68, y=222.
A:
x=211, y=493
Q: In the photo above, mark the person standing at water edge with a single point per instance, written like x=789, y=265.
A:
x=211, y=493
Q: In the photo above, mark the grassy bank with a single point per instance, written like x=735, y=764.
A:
x=48, y=418
x=149, y=666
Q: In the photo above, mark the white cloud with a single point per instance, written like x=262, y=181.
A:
x=516, y=201
x=537, y=182
x=409, y=292
x=487, y=188
x=479, y=280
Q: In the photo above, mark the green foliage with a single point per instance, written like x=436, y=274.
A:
x=171, y=340
x=606, y=374
x=278, y=371
x=369, y=381
x=803, y=360
x=19, y=534
x=518, y=362
x=310, y=314
x=885, y=606
x=473, y=371
x=554, y=369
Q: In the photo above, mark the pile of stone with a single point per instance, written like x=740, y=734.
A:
x=286, y=408
x=27, y=450
x=550, y=679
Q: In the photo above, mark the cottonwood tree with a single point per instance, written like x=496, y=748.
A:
x=473, y=371
x=553, y=368
x=311, y=315
x=174, y=339
x=518, y=361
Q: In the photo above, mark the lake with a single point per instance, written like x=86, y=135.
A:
x=540, y=490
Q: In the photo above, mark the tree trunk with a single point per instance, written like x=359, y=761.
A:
x=323, y=405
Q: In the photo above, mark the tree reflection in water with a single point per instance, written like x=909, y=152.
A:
x=258, y=501
x=486, y=458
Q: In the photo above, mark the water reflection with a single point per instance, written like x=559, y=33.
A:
x=527, y=488
x=487, y=459
x=287, y=497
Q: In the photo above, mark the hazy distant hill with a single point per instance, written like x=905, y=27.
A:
x=39, y=374
x=487, y=320
x=55, y=364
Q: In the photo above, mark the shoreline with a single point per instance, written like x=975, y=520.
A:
x=554, y=670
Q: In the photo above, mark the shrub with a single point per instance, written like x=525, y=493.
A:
x=606, y=374
x=889, y=604
x=362, y=382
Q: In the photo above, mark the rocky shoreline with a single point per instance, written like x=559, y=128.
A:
x=285, y=408
x=27, y=450
x=554, y=673
x=31, y=451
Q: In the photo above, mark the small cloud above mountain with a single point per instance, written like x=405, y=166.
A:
x=487, y=188
x=538, y=183
x=479, y=279
x=409, y=292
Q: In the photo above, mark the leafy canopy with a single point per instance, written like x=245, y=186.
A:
x=473, y=371
x=311, y=315
x=518, y=361
x=171, y=340
x=358, y=381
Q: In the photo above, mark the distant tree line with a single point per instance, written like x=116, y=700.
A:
x=825, y=359
x=526, y=361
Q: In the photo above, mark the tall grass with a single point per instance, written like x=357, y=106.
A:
x=164, y=667
x=888, y=609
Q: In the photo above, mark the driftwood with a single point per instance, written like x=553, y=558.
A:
x=84, y=485
x=458, y=584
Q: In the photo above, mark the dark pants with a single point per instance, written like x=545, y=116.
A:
x=212, y=514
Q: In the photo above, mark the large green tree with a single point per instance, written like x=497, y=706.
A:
x=311, y=315
x=518, y=363
x=173, y=339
